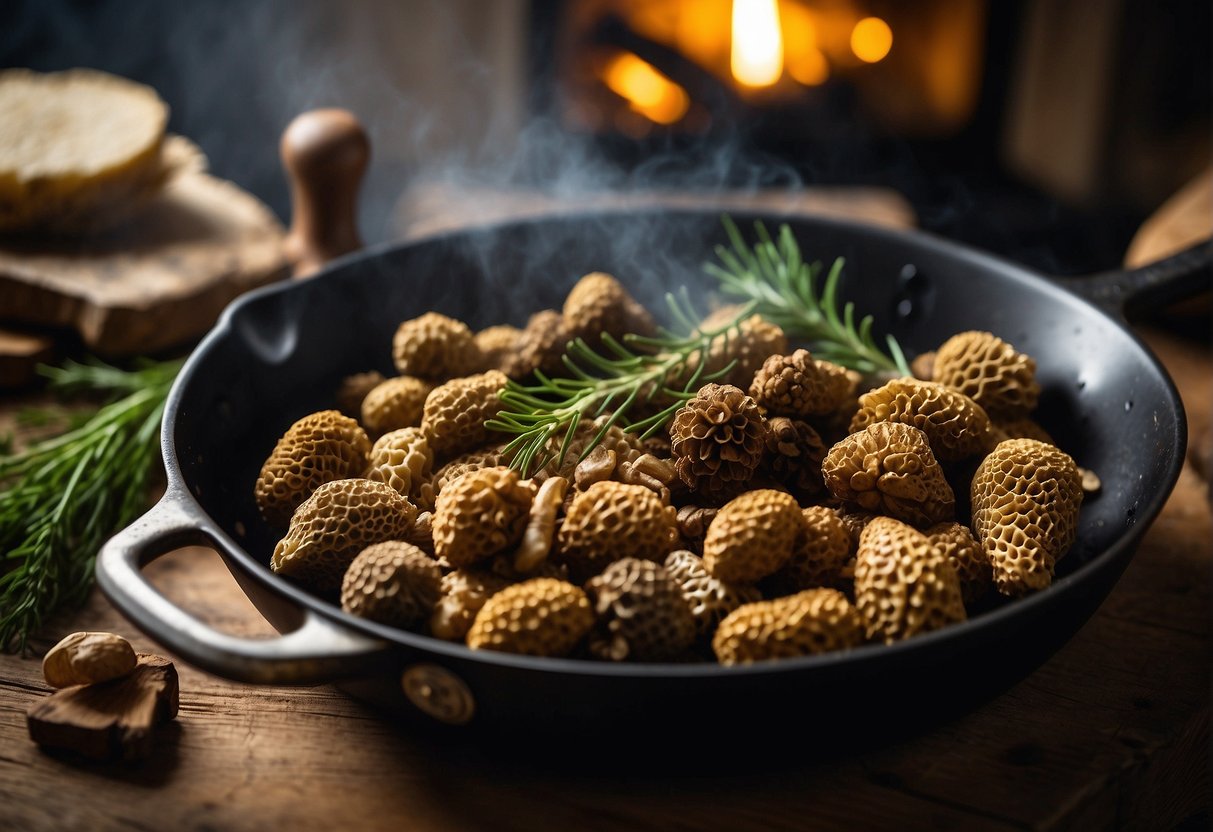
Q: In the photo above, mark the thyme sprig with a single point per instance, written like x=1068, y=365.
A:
x=665, y=371
x=62, y=497
x=773, y=275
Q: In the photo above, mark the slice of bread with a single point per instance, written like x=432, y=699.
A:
x=73, y=145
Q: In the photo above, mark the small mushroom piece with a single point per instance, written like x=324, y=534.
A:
x=956, y=426
x=805, y=624
x=709, y=599
x=1026, y=496
x=797, y=386
x=393, y=583
x=541, y=525
x=479, y=514
x=88, y=658
x=396, y=403
x=401, y=459
x=464, y=592
x=904, y=585
x=989, y=371
x=319, y=448
x=613, y=520
x=337, y=522
x=539, y=617
x=455, y=413
x=972, y=565
x=889, y=468
x=795, y=452
x=753, y=536
x=435, y=347
x=693, y=523
x=640, y=613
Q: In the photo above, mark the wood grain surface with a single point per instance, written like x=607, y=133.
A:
x=1112, y=733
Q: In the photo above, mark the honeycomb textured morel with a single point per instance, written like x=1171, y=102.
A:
x=435, y=347
x=401, y=459
x=797, y=385
x=989, y=371
x=394, y=404
x=539, y=617
x=754, y=340
x=540, y=346
x=753, y=536
x=425, y=494
x=889, y=468
x=709, y=599
x=718, y=439
x=479, y=514
x=455, y=413
x=1026, y=496
x=498, y=345
x=393, y=582
x=353, y=390
x=337, y=522
x=795, y=452
x=956, y=542
x=598, y=304
x=805, y=624
x=904, y=586
x=319, y=448
x=956, y=426
x=823, y=551
x=463, y=593
x=610, y=521
x=640, y=613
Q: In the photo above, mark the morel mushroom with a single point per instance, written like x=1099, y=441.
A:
x=989, y=371
x=640, y=613
x=481, y=513
x=806, y=624
x=753, y=536
x=539, y=617
x=435, y=347
x=955, y=425
x=393, y=583
x=718, y=439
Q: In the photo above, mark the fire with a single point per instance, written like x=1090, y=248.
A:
x=756, y=57
x=871, y=39
x=648, y=91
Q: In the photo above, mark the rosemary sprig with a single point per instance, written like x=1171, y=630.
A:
x=62, y=497
x=554, y=407
x=773, y=275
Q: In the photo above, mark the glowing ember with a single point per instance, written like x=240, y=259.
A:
x=647, y=91
x=871, y=39
x=757, y=52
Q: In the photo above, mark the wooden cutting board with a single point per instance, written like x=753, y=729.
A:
x=159, y=280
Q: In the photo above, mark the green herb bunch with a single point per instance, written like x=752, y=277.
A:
x=61, y=498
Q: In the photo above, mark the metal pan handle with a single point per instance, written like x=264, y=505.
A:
x=1147, y=288
x=318, y=650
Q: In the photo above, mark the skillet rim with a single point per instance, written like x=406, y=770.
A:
x=969, y=629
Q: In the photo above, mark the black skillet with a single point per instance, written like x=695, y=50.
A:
x=280, y=352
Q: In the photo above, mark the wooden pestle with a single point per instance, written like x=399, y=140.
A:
x=325, y=153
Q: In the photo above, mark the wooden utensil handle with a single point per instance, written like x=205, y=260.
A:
x=325, y=153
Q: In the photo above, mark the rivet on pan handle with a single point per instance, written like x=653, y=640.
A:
x=318, y=650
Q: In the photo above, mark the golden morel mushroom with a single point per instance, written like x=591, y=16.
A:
x=393, y=404
x=463, y=593
x=319, y=448
x=799, y=386
x=540, y=346
x=640, y=613
x=988, y=370
x=425, y=493
x=972, y=565
x=610, y=521
x=709, y=599
x=904, y=585
x=498, y=345
x=401, y=459
x=823, y=551
x=598, y=304
x=479, y=514
x=539, y=617
x=753, y=536
x=455, y=413
x=435, y=347
x=1026, y=496
x=749, y=345
x=393, y=583
x=889, y=468
x=718, y=439
x=955, y=425
x=336, y=523
x=805, y=624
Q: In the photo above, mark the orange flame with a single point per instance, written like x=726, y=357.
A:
x=647, y=91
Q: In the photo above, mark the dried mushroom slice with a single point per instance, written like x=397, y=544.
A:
x=904, y=585
x=599, y=305
x=319, y=448
x=455, y=413
x=753, y=536
x=394, y=404
x=1026, y=496
x=479, y=514
x=823, y=552
x=540, y=346
x=435, y=347
x=718, y=439
x=336, y=523
x=610, y=521
x=464, y=592
x=401, y=459
x=539, y=617
x=353, y=390
x=393, y=583
x=640, y=614
x=798, y=386
x=889, y=468
x=709, y=599
x=956, y=426
x=805, y=624
x=961, y=549
x=988, y=370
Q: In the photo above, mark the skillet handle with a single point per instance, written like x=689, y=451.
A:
x=1150, y=287
x=318, y=650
